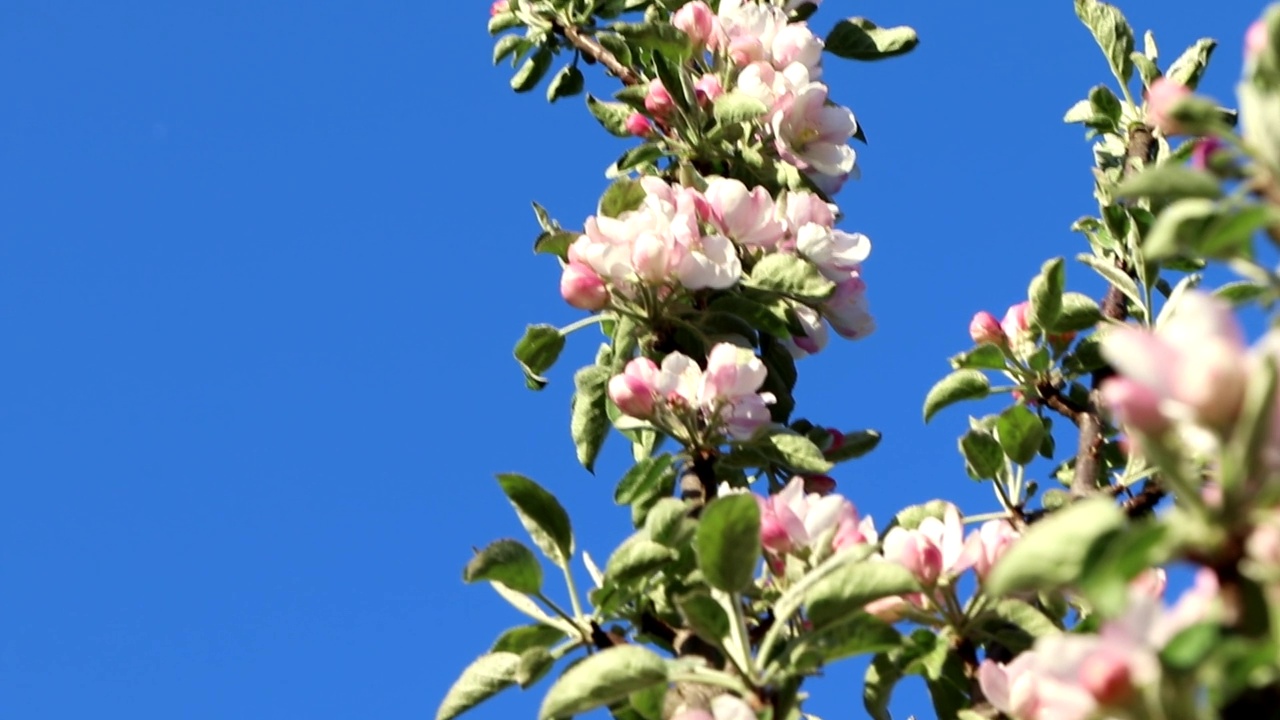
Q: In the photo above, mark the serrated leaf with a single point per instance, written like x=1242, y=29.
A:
x=601, y=679
x=537, y=351
x=982, y=454
x=845, y=591
x=1113, y=275
x=1111, y=31
x=522, y=637
x=612, y=116
x=534, y=664
x=1169, y=182
x=1045, y=294
x=659, y=37
x=704, y=616
x=484, y=678
x=555, y=243
x=791, y=276
x=644, y=479
x=795, y=452
x=854, y=444
x=508, y=562
x=859, y=39
x=771, y=318
x=1191, y=64
x=957, y=386
x=506, y=45
x=637, y=557
x=1079, y=312
x=665, y=520
x=566, y=83
x=983, y=357
x=1053, y=551
x=542, y=516
x=622, y=196
x=1181, y=225
x=728, y=542
x=1020, y=433
x=1082, y=111
x=532, y=70
x=1240, y=292
x=589, y=423
x=736, y=107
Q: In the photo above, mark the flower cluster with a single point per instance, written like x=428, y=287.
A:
x=755, y=50
x=692, y=404
x=682, y=239
x=1074, y=677
x=793, y=520
x=1190, y=375
x=1013, y=332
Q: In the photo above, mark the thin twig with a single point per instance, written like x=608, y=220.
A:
x=592, y=48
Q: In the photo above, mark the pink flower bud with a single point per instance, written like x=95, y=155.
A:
x=708, y=88
x=1134, y=405
x=1106, y=676
x=639, y=125
x=1162, y=96
x=582, y=288
x=635, y=391
x=1202, y=153
x=498, y=7
x=1015, y=322
x=657, y=99
x=697, y=20
x=1255, y=40
x=984, y=328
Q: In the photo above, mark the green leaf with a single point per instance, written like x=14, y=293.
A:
x=640, y=155
x=611, y=115
x=637, y=557
x=845, y=591
x=661, y=38
x=887, y=668
x=537, y=351
x=622, y=196
x=1191, y=64
x=769, y=317
x=589, y=423
x=704, y=616
x=1148, y=71
x=736, y=107
x=532, y=70
x=534, y=664
x=603, y=678
x=644, y=479
x=1106, y=109
x=859, y=39
x=542, y=515
x=983, y=357
x=665, y=521
x=506, y=45
x=1053, y=551
x=1181, y=225
x=1190, y=648
x=1020, y=433
x=728, y=542
x=522, y=637
x=959, y=385
x=1113, y=275
x=1079, y=312
x=615, y=44
x=1240, y=292
x=508, y=562
x=1030, y=623
x=797, y=594
x=566, y=83
x=859, y=635
x=983, y=457
x=1045, y=294
x=484, y=678
x=503, y=21
x=854, y=445
x=1112, y=32
x=791, y=276
x=796, y=452
x=1169, y=182
x=555, y=243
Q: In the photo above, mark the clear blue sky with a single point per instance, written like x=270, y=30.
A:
x=261, y=268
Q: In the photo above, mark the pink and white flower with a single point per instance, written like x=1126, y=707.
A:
x=792, y=520
x=933, y=550
x=847, y=311
x=746, y=216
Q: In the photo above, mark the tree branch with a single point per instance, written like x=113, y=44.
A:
x=592, y=49
x=1140, y=150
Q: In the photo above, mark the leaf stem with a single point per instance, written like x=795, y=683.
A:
x=584, y=322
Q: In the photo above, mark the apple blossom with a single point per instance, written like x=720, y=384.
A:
x=657, y=99
x=746, y=216
x=499, y=7
x=697, y=20
x=984, y=328
x=796, y=43
x=933, y=550
x=846, y=309
x=985, y=546
x=708, y=88
x=813, y=339
x=813, y=135
x=582, y=288
x=1256, y=39
x=635, y=391
x=1194, y=366
x=793, y=519
x=837, y=254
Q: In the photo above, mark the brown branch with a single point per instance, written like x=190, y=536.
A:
x=1139, y=151
x=590, y=47
x=1144, y=503
x=1052, y=397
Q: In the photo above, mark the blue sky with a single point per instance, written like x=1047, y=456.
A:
x=261, y=269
